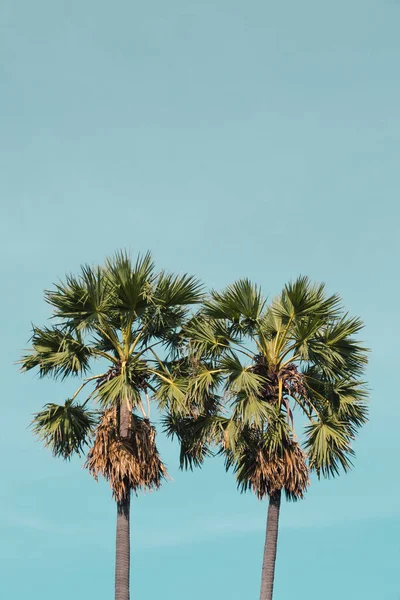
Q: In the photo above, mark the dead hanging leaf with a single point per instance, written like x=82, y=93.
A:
x=127, y=464
x=296, y=471
x=268, y=474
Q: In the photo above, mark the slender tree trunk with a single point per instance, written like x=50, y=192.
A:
x=122, y=563
x=271, y=542
x=122, y=559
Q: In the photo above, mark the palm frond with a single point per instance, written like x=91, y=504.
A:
x=278, y=433
x=57, y=353
x=120, y=383
x=302, y=298
x=270, y=323
x=171, y=391
x=240, y=378
x=204, y=379
x=161, y=322
x=132, y=285
x=208, y=337
x=195, y=436
x=167, y=312
x=65, y=429
x=241, y=303
x=177, y=290
x=346, y=351
x=250, y=409
x=353, y=403
x=344, y=397
x=302, y=331
x=328, y=446
x=81, y=301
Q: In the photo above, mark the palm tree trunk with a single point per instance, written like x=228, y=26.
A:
x=122, y=562
x=271, y=542
x=122, y=558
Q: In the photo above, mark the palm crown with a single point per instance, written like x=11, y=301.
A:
x=299, y=352
x=117, y=316
x=232, y=375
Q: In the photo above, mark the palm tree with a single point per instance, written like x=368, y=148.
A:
x=300, y=352
x=117, y=316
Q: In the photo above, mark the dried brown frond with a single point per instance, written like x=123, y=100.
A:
x=267, y=474
x=296, y=471
x=127, y=464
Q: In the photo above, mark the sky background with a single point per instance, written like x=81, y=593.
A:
x=231, y=138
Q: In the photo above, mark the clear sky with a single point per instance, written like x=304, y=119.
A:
x=232, y=138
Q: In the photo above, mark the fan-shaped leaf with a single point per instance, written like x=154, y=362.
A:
x=65, y=429
x=57, y=353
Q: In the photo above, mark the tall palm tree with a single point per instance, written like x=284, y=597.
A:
x=117, y=316
x=300, y=352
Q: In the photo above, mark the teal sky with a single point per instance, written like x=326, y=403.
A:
x=233, y=139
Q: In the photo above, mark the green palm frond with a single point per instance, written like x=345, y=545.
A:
x=177, y=367
x=278, y=432
x=144, y=265
x=81, y=301
x=228, y=432
x=111, y=390
x=171, y=392
x=161, y=322
x=353, y=405
x=240, y=378
x=210, y=337
x=302, y=298
x=270, y=324
x=195, y=437
x=328, y=446
x=126, y=381
x=205, y=379
x=302, y=331
x=344, y=397
x=241, y=303
x=347, y=352
x=329, y=344
x=168, y=309
x=132, y=285
x=207, y=405
x=102, y=343
x=174, y=343
x=57, y=353
x=249, y=409
x=65, y=429
x=177, y=290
